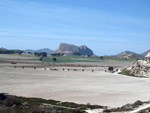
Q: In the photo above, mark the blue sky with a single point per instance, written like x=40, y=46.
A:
x=106, y=26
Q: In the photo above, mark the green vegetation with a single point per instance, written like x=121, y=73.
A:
x=54, y=59
x=101, y=57
x=117, y=59
x=14, y=104
x=72, y=59
x=77, y=54
x=81, y=59
x=57, y=54
x=20, y=59
x=25, y=55
x=110, y=69
x=126, y=72
x=36, y=105
x=43, y=54
x=125, y=108
x=6, y=51
x=43, y=57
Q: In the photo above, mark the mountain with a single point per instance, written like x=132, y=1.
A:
x=70, y=49
x=29, y=50
x=39, y=50
x=44, y=50
x=128, y=55
x=145, y=53
x=127, y=52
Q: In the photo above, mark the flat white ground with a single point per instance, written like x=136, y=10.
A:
x=75, y=86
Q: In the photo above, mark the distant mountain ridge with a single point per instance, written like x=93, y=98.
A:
x=70, y=49
x=39, y=50
x=127, y=52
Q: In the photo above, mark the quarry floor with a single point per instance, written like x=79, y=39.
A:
x=98, y=87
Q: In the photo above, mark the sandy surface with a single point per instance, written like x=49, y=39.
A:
x=74, y=86
x=108, y=63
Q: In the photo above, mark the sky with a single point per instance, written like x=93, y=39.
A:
x=107, y=27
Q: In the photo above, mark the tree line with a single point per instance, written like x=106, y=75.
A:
x=6, y=51
x=42, y=54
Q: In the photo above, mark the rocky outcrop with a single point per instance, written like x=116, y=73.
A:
x=70, y=49
x=140, y=68
x=145, y=53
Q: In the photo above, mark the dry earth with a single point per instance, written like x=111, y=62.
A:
x=96, y=87
x=16, y=56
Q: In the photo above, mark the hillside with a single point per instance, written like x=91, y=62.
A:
x=70, y=49
x=145, y=53
x=39, y=50
x=140, y=68
x=128, y=55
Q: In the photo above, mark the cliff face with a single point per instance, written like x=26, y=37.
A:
x=85, y=50
x=70, y=49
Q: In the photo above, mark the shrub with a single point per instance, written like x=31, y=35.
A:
x=44, y=54
x=138, y=103
x=37, y=109
x=54, y=59
x=41, y=58
x=101, y=57
x=88, y=105
x=110, y=68
x=10, y=101
x=77, y=111
x=126, y=72
x=2, y=97
x=5, y=110
x=106, y=111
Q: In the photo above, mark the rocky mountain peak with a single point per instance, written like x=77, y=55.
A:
x=83, y=46
x=70, y=49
